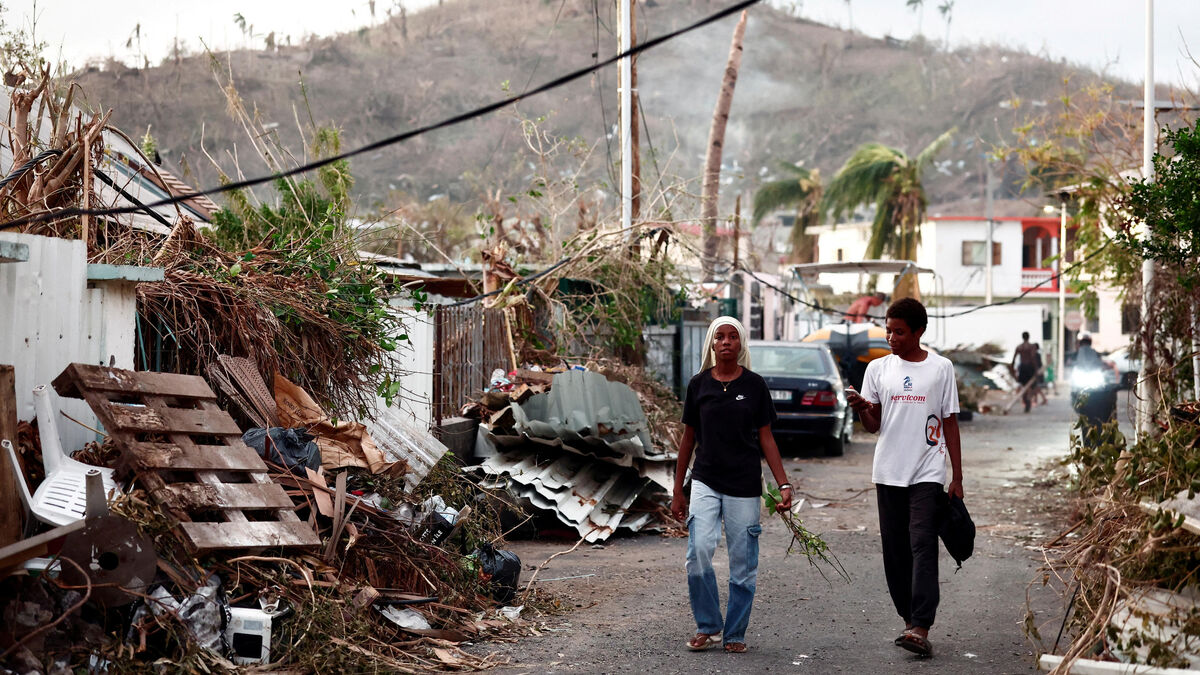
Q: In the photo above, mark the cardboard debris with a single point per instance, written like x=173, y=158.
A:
x=342, y=444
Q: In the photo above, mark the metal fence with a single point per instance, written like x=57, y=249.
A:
x=470, y=342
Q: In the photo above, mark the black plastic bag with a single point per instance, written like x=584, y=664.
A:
x=956, y=529
x=295, y=449
x=502, y=569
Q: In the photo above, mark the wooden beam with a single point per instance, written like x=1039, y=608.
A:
x=10, y=502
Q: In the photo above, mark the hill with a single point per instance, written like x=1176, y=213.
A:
x=807, y=92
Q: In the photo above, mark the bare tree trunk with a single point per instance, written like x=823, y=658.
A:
x=710, y=186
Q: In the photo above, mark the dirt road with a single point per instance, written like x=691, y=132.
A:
x=633, y=616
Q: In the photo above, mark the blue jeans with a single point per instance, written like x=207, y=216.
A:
x=708, y=509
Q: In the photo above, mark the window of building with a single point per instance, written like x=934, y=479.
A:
x=1093, y=324
x=841, y=254
x=1131, y=318
x=974, y=253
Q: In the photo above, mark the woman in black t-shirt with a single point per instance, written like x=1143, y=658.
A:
x=728, y=414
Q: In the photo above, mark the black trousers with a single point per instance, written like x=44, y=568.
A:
x=908, y=527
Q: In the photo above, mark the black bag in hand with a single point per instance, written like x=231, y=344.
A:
x=956, y=528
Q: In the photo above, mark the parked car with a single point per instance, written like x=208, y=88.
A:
x=1127, y=367
x=808, y=393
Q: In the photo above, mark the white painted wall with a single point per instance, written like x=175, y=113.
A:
x=1001, y=325
x=1109, y=337
x=416, y=359
x=941, y=249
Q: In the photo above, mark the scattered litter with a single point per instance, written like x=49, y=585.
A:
x=502, y=569
x=511, y=613
x=404, y=617
x=969, y=655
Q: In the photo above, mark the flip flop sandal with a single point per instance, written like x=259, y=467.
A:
x=735, y=647
x=916, y=644
x=703, y=641
x=899, y=640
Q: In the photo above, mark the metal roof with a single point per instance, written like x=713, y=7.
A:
x=591, y=414
x=592, y=497
x=581, y=450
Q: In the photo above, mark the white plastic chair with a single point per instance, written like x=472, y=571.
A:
x=61, y=499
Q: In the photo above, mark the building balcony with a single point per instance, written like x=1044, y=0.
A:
x=1038, y=280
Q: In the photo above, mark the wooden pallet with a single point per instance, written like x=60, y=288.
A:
x=189, y=455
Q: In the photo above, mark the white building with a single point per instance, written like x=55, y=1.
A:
x=1022, y=275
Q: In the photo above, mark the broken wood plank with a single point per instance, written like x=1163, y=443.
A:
x=126, y=418
x=535, y=376
x=184, y=410
x=10, y=502
x=117, y=380
x=224, y=496
x=213, y=536
x=17, y=553
x=233, y=457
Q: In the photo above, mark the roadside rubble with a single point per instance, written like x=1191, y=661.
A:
x=578, y=446
x=214, y=557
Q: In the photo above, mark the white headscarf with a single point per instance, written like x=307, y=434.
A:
x=710, y=354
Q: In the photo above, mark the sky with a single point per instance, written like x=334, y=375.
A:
x=1106, y=35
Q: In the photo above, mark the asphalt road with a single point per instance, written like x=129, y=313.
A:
x=633, y=616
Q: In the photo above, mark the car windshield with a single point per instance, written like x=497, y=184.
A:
x=788, y=360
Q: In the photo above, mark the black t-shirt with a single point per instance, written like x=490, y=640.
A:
x=727, y=420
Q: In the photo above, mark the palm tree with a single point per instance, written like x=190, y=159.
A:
x=889, y=180
x=802, y=189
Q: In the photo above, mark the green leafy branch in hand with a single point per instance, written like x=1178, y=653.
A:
x=811, y=545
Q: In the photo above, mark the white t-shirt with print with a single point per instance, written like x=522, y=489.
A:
x=915, y=397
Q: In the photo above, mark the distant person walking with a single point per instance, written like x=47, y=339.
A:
x=1027, y=360
x=911, y=399
x=728, y=414
x=857, y=312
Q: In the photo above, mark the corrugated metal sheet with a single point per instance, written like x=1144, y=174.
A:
x=50, y=320
x=585, y=410
x=592, y=497
x=583, y=451
x=399, y=438
x=53, y=316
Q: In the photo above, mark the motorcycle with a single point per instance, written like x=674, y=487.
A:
x=1094, y=392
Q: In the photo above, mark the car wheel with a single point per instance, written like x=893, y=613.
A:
x=835, y=447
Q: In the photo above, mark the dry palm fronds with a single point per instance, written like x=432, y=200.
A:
x=262, y=306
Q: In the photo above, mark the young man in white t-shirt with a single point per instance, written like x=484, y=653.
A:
x=911, y=399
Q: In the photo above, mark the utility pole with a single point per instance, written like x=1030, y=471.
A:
x=991, y=227
x=1145, y=391
x=625, y=96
